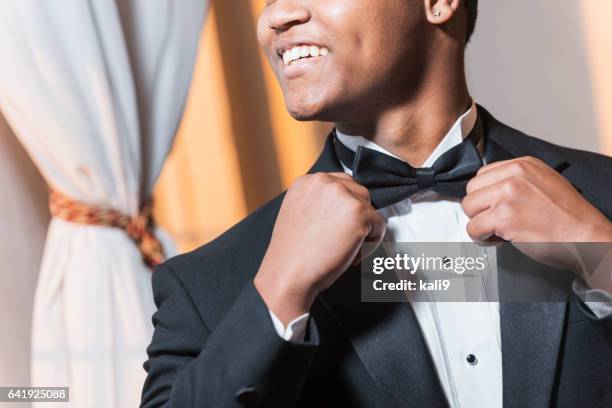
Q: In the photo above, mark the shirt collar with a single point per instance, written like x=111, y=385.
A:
x=459, y=131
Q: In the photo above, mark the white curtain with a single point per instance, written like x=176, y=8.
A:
x=94, y=90
x=24, y=221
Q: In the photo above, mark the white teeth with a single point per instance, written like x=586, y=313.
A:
x=296, y=53
x=303, y=51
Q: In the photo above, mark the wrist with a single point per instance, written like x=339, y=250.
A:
x=286, y=297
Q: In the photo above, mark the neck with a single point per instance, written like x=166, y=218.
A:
x=413, y=128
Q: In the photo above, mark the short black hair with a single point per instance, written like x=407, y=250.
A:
x=471, y=7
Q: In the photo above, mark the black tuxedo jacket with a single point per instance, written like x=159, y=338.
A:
x=214, y=343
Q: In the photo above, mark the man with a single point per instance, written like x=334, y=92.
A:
x=269, y=314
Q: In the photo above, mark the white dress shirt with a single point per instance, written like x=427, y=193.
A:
x=452, y=330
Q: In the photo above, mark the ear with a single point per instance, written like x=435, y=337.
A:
x=441, y=11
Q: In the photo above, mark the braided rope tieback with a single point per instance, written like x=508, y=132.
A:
x=139, y=228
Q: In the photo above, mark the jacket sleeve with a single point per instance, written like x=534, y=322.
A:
x=240, y=362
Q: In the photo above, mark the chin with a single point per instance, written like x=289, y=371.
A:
x=302, y=116
x=304, y=112
x=323, y=106
x=305, y=106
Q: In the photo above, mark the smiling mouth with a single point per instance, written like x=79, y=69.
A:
x=302, y=52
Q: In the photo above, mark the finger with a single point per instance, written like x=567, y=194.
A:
x=520, y=163
x=356, y=188
x=378, y=226
x=481, y=200
x=341, y=175
x=524, y=159
x=359, y=191
x=344, y=181
x=498, y=172
x=492, y=166
x=483, y=226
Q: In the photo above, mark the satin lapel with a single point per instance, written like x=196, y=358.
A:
x=328, y=161
x=386, y=336
x=505, y=143
x=388, y=340
x=531, y=331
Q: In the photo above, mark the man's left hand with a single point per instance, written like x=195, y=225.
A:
x=523, y=201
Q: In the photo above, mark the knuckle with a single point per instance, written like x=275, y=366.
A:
x=320, y=178
x=510, y=188
x=366, y=194
x=338, y=189
x=533, y=160
x=356, y=208
x=505, y=213
x=364, y=190
x=520, y=167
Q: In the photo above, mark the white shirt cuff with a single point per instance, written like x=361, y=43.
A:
x=598, y=301
x=295, y=330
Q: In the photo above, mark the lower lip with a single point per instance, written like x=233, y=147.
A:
x=301, y=66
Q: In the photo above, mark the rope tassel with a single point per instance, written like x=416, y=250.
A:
x=139, y=227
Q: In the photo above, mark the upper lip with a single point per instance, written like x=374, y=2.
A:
x=285, y=44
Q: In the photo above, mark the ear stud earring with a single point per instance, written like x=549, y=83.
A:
x=437, y=13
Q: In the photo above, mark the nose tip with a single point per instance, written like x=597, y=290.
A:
x=286, y=14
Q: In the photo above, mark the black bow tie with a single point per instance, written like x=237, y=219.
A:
x=391, y=180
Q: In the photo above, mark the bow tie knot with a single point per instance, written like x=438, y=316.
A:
x=391, y=180
x=426, y=178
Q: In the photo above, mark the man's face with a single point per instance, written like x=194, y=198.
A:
x=337, y=60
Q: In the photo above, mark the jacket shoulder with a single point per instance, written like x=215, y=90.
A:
x=591, y=174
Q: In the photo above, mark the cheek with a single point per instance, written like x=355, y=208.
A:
x=370, y=39
x=264, y=34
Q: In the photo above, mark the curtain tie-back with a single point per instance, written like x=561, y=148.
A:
x=139, y=227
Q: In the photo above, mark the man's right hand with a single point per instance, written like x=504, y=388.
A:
x=322, y=223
